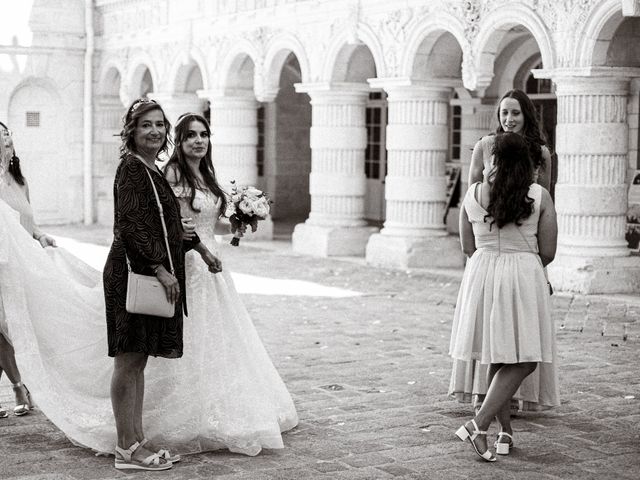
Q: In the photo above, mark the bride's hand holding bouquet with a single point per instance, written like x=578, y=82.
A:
x=246, y=207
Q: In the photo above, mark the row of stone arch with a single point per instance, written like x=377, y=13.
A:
x=251, y=65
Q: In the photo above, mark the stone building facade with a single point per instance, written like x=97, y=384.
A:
x=359, y=116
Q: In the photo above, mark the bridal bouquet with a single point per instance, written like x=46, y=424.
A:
x=246, y=207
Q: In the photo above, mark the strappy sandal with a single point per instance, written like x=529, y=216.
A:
x=23, y=408
x=3, y=412
x=124, y=460
x=463, y=434
x=502, y=448
x=164, y=453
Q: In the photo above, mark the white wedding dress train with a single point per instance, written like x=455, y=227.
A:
x=223, y=393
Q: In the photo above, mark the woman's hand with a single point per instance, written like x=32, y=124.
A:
x=170, y=284
x=47, y=241
x=189, y=228
x=214, y=263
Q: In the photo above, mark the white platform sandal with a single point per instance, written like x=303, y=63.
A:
x=164, y=453
x=463, y=434
x=124, y=460
x=502, y=448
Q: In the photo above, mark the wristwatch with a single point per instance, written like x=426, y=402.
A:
x=155, y=269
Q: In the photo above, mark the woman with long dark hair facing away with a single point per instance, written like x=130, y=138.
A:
x=515, y=113
x=502, y=319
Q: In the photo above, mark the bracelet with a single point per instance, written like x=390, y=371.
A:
x=155, y=269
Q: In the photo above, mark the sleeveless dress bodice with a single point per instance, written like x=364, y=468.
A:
x=511, y=238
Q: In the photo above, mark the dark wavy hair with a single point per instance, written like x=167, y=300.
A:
x=509, y=201
x=130, y=121
x=14, y=163
x=178, y=162
x=531, y=128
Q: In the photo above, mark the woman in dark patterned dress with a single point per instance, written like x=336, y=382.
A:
x=137, y=231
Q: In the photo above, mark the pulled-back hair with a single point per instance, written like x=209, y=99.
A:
x=14, y=163
x=137, y=109
x=178, y=162
x=531, y=128
x=509, y=201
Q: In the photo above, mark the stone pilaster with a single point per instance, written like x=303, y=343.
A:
x=175, y=104
x=414, y=233
x=591, y=193
x=337, y=182
x=234, y=137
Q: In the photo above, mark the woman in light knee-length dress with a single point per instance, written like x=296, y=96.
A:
x=502, y=318
x=516, y=113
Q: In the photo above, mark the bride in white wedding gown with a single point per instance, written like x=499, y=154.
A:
x=223, y=393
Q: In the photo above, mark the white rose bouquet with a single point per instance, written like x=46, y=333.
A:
x=246, y=207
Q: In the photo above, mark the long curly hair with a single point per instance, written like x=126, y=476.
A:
x=135, y=111
x=178, y=162
x=14, y=163
x=509, y=201
x=531, y=128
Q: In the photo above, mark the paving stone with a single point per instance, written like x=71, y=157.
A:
x=391, y=417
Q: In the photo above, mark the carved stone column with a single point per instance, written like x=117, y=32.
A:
x=337, y=182
x=175, y=104
x=414, y=233
x=234, y=129
x=591, y=193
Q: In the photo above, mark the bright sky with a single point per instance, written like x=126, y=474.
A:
x=14, y=21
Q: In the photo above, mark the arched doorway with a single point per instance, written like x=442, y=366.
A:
x=284, y=154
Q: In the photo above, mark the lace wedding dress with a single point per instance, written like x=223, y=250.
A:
x=223, y=393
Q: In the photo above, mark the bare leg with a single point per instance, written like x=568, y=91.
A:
x=137, y=419
x=505, y=383
x=8, y=364
x=124, y=387
x=504, y=414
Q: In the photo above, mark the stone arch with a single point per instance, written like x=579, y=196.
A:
x=429, y=31
x=188, y=73
x=498, y=29
x=598, y=32
x=141, y=74
x=607, y=37
x=238, y=69
x=352, y=62
x=110, y=79
x=278, y=52
x=514, y=56
x=439, y=55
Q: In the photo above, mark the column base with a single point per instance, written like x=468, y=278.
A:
x=589, y=275
x=331, y=241
x=405, y=252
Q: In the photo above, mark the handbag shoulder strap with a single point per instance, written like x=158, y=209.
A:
x=164, y=226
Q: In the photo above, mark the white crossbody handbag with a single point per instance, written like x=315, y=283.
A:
x=145, y=294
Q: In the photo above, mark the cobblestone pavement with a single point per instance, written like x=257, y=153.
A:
x=369, y=376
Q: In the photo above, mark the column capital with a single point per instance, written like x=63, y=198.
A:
x=333, y=87
x=214, y=94
x=408, y=83
x=603, y=80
